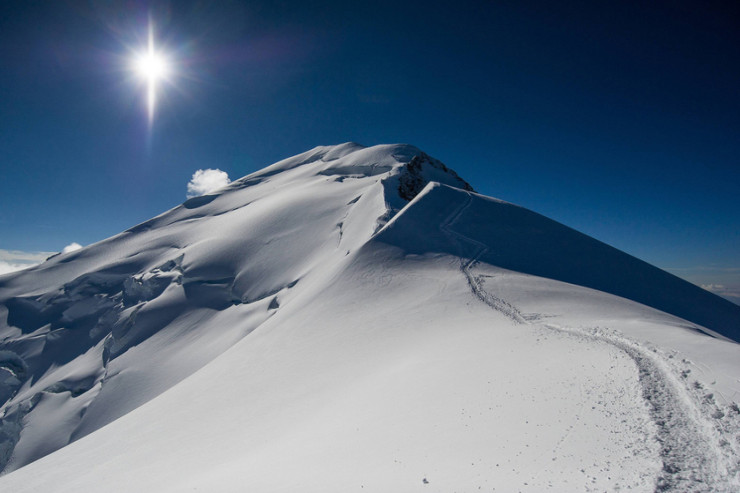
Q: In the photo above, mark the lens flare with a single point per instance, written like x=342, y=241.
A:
x=153, y=67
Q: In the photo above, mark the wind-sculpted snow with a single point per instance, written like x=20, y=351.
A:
x=699, y=442
x=520, y=240
x=339, y=321
x=173, y=280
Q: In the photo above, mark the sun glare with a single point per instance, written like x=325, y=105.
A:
x=153, y=67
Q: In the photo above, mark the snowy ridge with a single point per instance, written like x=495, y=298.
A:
x=520, y=240
x=359, y=319
x=210, y=261
x=695, y=452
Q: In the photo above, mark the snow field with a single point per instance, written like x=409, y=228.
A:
x=403, y=390
x=308, y=328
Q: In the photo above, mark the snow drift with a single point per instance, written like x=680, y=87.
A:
x=359, y=318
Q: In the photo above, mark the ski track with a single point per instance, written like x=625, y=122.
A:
x=699, y=450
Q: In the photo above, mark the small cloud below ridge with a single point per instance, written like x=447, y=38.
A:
x=206, y=181
x=19, y=256
x=15, y=260
x=7, y=267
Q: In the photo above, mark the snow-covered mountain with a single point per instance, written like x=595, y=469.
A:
x=359, y=319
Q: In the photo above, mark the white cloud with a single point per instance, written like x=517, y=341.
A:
x=722, y=290
x=6, y=267
x=71, y=247
x=206, y=181
x=722, y=280
x=14, y=260
x=18, y=256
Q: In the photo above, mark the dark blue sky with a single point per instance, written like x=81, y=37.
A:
x=620, y=119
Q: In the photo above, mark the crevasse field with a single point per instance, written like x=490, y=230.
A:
x=359, y=319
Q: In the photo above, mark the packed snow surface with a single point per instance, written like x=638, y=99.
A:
x=359, y=319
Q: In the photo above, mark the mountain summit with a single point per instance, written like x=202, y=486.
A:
x=358, y=318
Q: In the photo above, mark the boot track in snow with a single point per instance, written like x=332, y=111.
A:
x=694, y=453
x=480, y=249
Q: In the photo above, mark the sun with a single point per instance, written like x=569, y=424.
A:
x=153, y=67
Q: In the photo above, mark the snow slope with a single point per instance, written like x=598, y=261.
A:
x=359, y=319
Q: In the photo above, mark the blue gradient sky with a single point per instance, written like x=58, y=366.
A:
x=619, y=119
